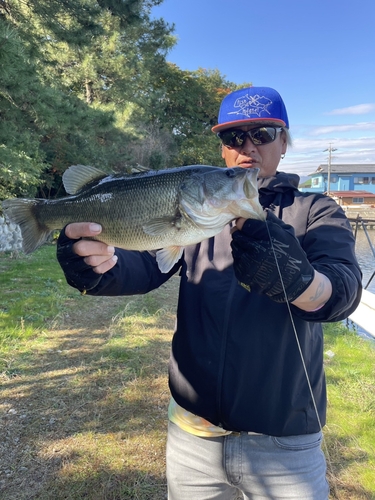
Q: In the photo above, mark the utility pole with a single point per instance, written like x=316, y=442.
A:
x=330, y=149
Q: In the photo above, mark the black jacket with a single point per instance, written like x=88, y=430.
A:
x=235, y=359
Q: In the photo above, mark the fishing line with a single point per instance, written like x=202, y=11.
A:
x=303, y=363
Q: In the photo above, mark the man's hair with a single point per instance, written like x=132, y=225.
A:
x=289, y=139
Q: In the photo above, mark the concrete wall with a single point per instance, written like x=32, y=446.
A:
x=352, y=212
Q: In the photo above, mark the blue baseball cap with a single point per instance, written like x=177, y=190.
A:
x=250, y=106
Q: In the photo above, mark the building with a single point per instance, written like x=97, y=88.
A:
x=353, y=198
x=349, y=177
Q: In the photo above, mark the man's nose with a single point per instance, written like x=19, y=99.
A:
x=247, y=146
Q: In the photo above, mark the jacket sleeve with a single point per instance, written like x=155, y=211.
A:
x=134, y=273
x=330, y=247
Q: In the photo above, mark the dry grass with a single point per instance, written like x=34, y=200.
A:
x=84, y=411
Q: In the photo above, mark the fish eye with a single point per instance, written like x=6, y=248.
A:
x=230, y=172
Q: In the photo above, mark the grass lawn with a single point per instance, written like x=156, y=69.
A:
x=84, y=393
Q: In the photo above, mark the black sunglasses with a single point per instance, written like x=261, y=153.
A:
x=234, y=138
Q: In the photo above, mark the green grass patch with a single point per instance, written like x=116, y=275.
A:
x=350, y=430
x=33, y=294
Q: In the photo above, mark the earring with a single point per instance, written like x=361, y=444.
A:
x=283, y=156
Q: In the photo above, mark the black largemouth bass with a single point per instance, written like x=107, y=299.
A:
x=161, y=210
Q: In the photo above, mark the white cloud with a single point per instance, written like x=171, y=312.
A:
x=306, y=143
x=354, y=143
x=308, y=153
x=329, y=129
x=360, y=109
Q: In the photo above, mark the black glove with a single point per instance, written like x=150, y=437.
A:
x=78, y=274
x=255, y=258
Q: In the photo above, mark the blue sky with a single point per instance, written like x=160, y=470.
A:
x=319, y=54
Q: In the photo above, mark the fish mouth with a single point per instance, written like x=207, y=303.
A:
x=250, y=183
x=246, y=203
x=245, y=181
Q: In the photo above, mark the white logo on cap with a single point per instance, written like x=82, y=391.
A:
x=251, y=105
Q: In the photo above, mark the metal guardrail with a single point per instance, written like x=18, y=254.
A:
x=363, y=318
x=363, y=223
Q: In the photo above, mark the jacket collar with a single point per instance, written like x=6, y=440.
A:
x=280, y=182
x=272, y=188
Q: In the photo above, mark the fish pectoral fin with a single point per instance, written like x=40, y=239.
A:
x=77, y=177
x=161, y=225
x=167, y=257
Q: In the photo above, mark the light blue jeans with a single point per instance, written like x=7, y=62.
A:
x=257, y=467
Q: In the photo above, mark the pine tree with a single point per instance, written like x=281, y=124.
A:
x=80, y=68
x=86, y=81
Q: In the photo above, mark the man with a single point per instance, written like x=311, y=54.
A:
x=246, y=369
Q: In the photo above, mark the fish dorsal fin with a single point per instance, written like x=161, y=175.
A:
x=139, y=169
x=78, y=176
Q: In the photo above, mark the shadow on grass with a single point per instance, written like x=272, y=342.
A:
x=84, y=412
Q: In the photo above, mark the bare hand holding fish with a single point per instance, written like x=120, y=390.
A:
x=96, y=254
x=157, y=210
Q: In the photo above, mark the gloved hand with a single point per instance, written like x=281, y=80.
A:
x=262, y=266
x=78, y=274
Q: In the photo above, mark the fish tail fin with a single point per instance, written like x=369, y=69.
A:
x=23, y=212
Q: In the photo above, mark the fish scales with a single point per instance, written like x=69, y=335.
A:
x=122, y=206
x=163, y=210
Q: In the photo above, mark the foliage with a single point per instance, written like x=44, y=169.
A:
x=42, y=131
x=20, y=158
x=191, y=103
x=186, y=104
x=87, y=82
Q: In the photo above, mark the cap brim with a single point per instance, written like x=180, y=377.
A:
x=242, y=123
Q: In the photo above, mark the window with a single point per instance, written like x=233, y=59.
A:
x=315, y=181
x=361, y=180
x=358, y=200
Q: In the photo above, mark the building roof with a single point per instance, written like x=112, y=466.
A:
x=352, y=194
x=349, y=168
